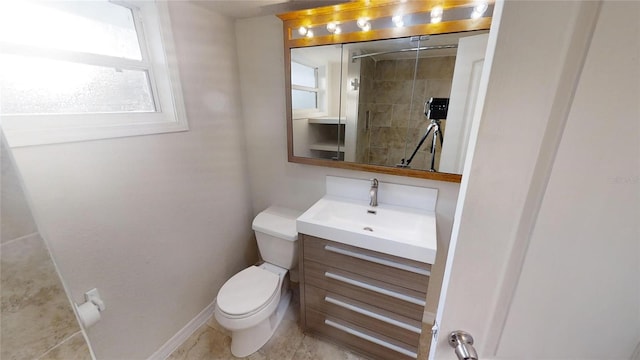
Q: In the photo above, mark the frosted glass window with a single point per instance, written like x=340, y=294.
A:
x=301, y=99
x=303, y=75
x=304, y=86
x=43, y=86
x=83, y=70
x=96, y=27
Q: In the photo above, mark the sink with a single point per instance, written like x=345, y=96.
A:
x=391, y=229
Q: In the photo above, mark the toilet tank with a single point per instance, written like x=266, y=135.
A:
x=277, y=236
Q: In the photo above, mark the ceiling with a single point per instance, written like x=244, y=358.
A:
x=239, y=9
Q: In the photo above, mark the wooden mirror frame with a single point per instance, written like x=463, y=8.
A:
x=371, y=9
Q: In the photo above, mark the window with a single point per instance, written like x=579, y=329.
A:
x=304, y=87
x=81, y=70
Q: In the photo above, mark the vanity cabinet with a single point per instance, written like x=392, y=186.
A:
x=366, y=300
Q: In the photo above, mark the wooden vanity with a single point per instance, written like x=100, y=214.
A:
x=368, y=301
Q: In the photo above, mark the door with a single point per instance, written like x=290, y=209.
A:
x=464, y=95
x=545, y=252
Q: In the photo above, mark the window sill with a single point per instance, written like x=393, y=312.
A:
x=18, y=135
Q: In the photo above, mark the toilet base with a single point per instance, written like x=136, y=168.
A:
x=246, y=342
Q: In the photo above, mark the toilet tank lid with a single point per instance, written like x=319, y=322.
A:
x=278, y=221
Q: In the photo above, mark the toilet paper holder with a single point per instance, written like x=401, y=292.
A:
x=89, y=311
x=93, y=296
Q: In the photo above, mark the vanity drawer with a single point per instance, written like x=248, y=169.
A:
x=364, y=340
x=403, y=272
x=365, y=315
x=402, y=301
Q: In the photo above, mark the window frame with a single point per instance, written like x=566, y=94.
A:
x=153, y=28
x=320, y=90
x=315, y=89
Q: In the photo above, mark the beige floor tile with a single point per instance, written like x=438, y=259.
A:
x=207, y=343
x=316, y=349
x=287, y=338
x=16, y=219
x=211, y=341
x=31, y=293
x=212, y=322
x=74, y=348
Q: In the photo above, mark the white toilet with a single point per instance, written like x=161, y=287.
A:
x=252, y=303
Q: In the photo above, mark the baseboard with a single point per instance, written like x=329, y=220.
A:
x=181, y=336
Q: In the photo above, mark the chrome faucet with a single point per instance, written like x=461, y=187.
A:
x=373, y=193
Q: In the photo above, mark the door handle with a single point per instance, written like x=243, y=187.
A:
x=462, y=342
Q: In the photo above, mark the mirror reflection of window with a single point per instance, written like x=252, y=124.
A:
x=304, y=86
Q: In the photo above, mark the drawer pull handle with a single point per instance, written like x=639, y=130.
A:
x=374, y=288
x=373, y=259
x=372, y=339
x=373, y=315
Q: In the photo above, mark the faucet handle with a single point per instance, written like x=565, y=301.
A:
x=374, y=182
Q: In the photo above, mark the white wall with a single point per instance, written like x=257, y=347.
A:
x=157, y=223
x=579, y=291
x=273, y=179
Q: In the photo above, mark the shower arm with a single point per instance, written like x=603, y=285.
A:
x=434, y=47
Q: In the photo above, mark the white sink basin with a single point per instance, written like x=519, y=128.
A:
x=401, y=231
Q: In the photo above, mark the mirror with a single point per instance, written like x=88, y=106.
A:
x=377, y=105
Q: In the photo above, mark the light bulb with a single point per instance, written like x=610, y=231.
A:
x=338, y=30
x=309, y=33
x=398, y=21
x=302, y=30
x=479, y=9
x=331, y=27
x=362, y=22
x=437, y=11
x=436, y=14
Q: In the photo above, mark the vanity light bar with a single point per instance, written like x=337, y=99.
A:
x=436, y=15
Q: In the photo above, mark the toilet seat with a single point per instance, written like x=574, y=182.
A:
x=248, y=292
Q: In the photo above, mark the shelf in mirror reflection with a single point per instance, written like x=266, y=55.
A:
x=327, y=146
x=328, y=120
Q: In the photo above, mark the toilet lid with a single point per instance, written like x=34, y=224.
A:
x=247, y=291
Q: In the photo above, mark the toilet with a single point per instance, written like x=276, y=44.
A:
x=252, y=303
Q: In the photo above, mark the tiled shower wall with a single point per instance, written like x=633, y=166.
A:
x=395, y=123
x=36, y=318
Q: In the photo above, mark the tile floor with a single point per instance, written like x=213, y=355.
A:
x=212, y=342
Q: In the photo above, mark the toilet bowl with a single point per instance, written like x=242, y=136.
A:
x=252, y=303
